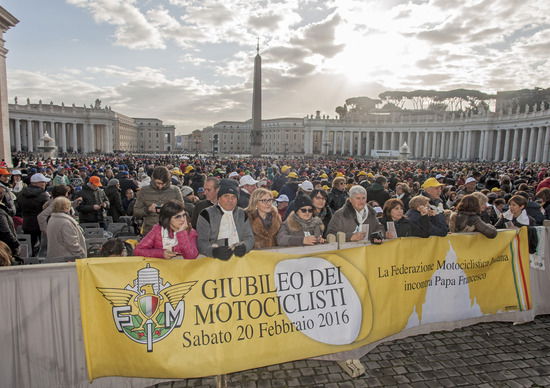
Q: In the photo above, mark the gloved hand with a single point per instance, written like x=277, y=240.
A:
x=240, y=250
x=222, y=253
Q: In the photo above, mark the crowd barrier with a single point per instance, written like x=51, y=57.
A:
x=401, y=288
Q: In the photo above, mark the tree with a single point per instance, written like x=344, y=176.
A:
x=341, y=111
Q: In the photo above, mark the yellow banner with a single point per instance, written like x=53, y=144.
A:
x=189, y=318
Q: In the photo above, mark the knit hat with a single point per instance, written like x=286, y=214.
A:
x=302, y=201
x=228, y=186
x=186, y=190
x=113, y=182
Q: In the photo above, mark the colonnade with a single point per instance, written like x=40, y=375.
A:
x=530, y=144
x=25, y=135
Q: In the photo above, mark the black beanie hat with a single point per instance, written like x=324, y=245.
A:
x=302, y=201
x=228, y=186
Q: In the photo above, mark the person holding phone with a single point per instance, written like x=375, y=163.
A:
x=172, y=236
x=301, y=227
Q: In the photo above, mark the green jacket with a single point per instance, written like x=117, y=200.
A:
x=149, y=195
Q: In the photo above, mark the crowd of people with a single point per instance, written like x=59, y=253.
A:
x=180, y=207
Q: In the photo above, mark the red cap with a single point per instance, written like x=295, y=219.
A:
x=95, y=181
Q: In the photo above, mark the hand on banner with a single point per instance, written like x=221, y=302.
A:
x=358, y=236
x=222, y=253
x=310, y=240
x=168, y=254
x=240, y=250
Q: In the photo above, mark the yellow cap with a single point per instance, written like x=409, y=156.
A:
x=324, y=176
x=494, y=189
x=339, y=174
x=188, y=169
x=431, y=182
x=362, y=173
x=275, y=193
x=293, y=175
x=326, y=188
x=285, y=169
x=370, y=175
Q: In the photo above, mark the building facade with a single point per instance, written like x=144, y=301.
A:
x=154, y=136
x=489, y=136
x=85, y=129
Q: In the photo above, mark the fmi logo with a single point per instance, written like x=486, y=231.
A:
x=150, y=309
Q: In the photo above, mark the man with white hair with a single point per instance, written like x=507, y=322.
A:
x=355, y=213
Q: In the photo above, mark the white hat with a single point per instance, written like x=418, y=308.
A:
x=247, y=180
x=439, y=176
x=306, y=186
x=16, y=172
x=38, y=177
x=283, y=198
x=470, y=180
x=234, y=173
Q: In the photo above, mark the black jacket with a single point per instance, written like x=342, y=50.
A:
x=437, y=226
x=376, y=192
x=31, y=201
x=405, y=228
x=7, y=232
x=337, y=198
x=90, y=197
x=115, y=209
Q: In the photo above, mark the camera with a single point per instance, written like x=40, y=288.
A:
x=376, y=238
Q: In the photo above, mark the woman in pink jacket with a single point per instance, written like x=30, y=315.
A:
x=172, y=236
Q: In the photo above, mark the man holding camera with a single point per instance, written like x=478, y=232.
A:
x=94, y=202
x=151, y=198
x=354, y=217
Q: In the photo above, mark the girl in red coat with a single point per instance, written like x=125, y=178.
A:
x=172, y=236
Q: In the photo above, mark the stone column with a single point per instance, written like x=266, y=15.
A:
x=367, y=145
x=532, y=144
x=63, y=137
x=523, y=146
x=342, y=141
x=375, y=145
x=75, y=138
x=540, y=143
x=351, y=143
x=451, y=153
x=442, y=154
x=546, y=148
x=505, y=151
x=469, y=145
x=30, y=143
x=40, y=129
x=17, y=135
x=433, y=152
x=515, y=145
x=425, y=151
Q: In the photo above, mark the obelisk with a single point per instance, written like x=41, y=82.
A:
x=256, y=138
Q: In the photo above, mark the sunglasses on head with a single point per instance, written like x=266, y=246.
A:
x=304, y=210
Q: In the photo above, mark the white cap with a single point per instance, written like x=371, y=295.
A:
x=439, y=176
x=16, y=172
x=247, y=180
x=38, y=177
x=470, y=180
x=234, y=173
x=306, y=186
x=283, y=198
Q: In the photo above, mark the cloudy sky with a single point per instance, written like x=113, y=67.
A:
x=190, y=62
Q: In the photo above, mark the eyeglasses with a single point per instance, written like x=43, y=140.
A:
x=304, y=210
x=319, y=197
x=180, y=216
x=267, y=201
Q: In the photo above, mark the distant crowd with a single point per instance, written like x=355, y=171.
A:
x=180, y=206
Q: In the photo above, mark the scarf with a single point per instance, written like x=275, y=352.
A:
x=268, y=221
x=361, y=218
x=168, y=242
x=311, y=227
x=523, y=218
x=228, y=229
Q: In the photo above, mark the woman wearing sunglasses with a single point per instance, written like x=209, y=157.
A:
x=264, y=218
x=172, y=236
x=301, y=227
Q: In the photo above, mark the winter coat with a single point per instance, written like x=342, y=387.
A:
x=290, y=189
x=265, y=238
x=150, y=195
x=65, y=238
x=533, y=210
x=406, y=228
x=292, y=234
x=8, y=233
x=32, y=202
x=376, y=192
x=115, y=203
x=337, y=198
x=199, y=207
x=345, y=220
x=244, y=199
x=208, y=227
x=471, y=222
x=91, y=197
x=437, y=226
x=326, y=217
x=151, y=244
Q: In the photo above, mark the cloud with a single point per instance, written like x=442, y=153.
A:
x=319, y=37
